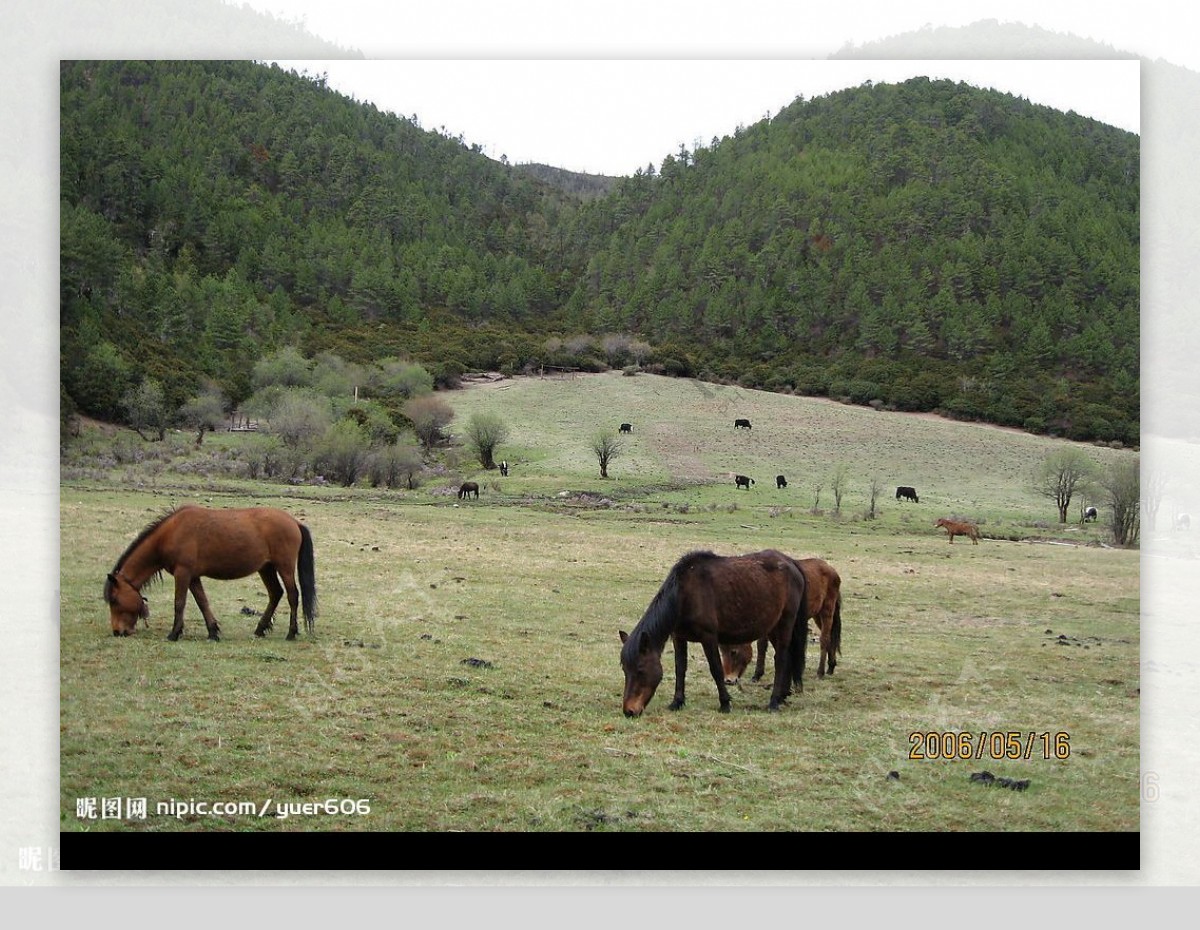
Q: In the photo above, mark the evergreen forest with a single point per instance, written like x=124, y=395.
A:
x=925, y=246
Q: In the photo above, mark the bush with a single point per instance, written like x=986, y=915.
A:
x=429, y=416
x=396, y=465
x=341, y=454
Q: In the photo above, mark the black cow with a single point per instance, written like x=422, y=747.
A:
x=741, y=481
x=741, y=424
x=1090, y=514
x=906, y=493
x=626, y=427
x=780, y=482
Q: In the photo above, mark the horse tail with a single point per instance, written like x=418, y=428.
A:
x=835, y=634
x=799, y=633
x=308, y=579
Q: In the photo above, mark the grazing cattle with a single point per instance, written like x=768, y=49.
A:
x=1089, y=515
x=822, y=604
x=741, y=424
x=626, y=427
x=780, y=482
x=741, y=481
x=467, y=489
x=504, y=469
x=906, y=493
x=959, y=528
x=1183, y=522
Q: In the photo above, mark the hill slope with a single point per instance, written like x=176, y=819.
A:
x=926, y=246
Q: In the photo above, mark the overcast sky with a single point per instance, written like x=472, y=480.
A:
x=609, y=87
x=615, y=116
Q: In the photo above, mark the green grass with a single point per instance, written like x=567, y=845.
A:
x=464, y=671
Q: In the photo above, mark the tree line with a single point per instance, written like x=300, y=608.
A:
x=922, y=246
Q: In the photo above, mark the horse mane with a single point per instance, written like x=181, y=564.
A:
x=662, y=616
x=148, y=531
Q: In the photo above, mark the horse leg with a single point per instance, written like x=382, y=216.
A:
x=274, y=594
x=760, y=664
x=214, y=629
x=680, y=645
x=182, y=583
x=827, y=650
x=293, y=596
x=780, y=637
x=713, y=653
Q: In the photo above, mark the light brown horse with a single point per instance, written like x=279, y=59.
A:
x=712, y=599
x=193, y=542
x=959, y=528
x=823, y=598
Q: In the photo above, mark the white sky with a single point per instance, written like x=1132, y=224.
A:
x=615, y=116
x=609, y=86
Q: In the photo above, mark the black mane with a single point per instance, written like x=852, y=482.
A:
x=662, y=616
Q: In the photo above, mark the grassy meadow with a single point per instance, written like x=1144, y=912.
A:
x=464, y=671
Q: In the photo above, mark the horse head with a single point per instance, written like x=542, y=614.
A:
x=643, y=672
x=735, y=660
x=125, y=605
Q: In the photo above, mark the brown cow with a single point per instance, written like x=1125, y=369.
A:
x=959, y=528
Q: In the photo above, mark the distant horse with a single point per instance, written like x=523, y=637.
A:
x=1183, y=522
x=780, y=482
x=906, y=493
x=1090, y=515
x=626, y=428
x=193, y=542
x=823, y=598
x=741, y=481
x=467, y=488
x=712, y=599
x=959, y=528
x=741, y=424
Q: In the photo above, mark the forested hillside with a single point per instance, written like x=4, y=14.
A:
x=925, y=246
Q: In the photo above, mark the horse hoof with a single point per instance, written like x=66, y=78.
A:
x=260, y=633
x=213, y=637
x=173, y=637
x=724, y=708
x=291, y=636
x=675, y=705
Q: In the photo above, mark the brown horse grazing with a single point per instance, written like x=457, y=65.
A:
x=824, y=606
x=467, y=489
x=193, y=542
x=959, y=528
x=712, y=599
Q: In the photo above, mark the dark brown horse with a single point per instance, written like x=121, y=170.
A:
x=959, y=528
x=193, y=542
x=823, y=598
x=712, y=599
x=467, y=489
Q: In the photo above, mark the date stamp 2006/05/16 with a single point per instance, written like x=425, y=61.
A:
x=1013, y=744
